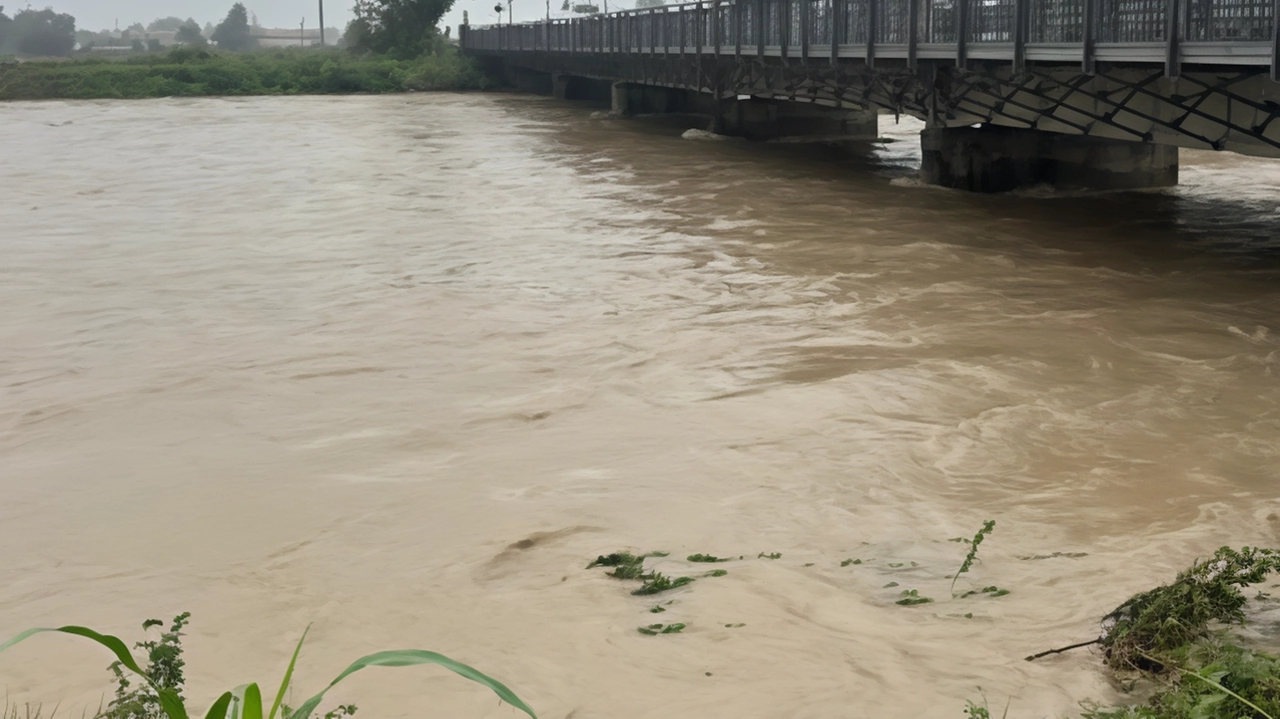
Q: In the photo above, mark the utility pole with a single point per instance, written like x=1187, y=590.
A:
x=508, y=13
x=321, y=23
x=302, y=33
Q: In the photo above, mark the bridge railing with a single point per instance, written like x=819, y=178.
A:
x=940, y=29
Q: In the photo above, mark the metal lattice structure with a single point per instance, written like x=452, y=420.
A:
x=1195, y=73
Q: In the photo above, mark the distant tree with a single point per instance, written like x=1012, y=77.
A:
x=234, y=33
x=136, y=29
x=406, y=27
x=165, y=24
x=208, y=29
x=89, y=38
x=189, y=34
x=153, y=45
x=42, y=32
x=6, y=34
x=359, y=34
x=138, y=46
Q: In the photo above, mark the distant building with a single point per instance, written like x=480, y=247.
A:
x=293, y=37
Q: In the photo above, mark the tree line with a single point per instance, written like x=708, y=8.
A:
x=404, y=28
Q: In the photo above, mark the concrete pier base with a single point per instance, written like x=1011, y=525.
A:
x=632, y=99
x=757, y=119
x=997, y=159
x=527, y=80
x=572, y=87
x=754, y=118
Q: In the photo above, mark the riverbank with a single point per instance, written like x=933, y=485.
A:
x=194, y=72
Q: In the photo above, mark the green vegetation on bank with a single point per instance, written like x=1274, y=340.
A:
x=198, y=71
x=1181, y=637
x=155, y=692
x=390, y=46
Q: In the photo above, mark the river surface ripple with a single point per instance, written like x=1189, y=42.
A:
x=401, y=366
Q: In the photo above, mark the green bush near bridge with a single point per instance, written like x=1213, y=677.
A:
x=192, y=72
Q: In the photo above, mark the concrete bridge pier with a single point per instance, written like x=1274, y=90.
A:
x=760, y=119
x=572, y=87
x=753, y=118
x=992, y=158
x=526, y=80
x=634, y=99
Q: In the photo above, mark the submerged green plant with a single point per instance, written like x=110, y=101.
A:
x=164, y=678
x=847, y=562
x=626, y=565
x=987, y=527
x=706, y=558
x=657, y=582
x=716, y=573
x=773, y=555
x=992, y=590
x=654, y=629
x=911, y=597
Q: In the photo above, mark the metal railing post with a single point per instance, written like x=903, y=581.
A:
x=1020, y=8
x=1275, y=40
x=872, y=22
x=784, y=26
x=1087, y=64
x=759, y=28
x=913, y=32
x=804, y=31
x=697, y=40
x=837, y=24
x=1172, y=66
x=962, y=31
x=735, y=25
x=715, y=26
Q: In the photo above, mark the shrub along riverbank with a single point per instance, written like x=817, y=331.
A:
x=192, y=72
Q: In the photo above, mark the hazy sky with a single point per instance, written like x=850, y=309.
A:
x=102, y=14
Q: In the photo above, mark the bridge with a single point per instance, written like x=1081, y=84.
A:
x=1081, y=93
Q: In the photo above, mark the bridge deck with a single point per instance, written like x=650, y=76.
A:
x=1165, y=32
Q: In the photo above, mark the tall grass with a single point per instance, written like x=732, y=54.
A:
x=190, y=72
x=160, y=692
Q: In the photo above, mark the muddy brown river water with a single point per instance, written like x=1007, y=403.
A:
x=401, y=366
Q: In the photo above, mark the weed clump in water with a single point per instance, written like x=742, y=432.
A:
x=654, y=629
x=911, y=597
x=708, y=558
x=987, y=527
x=1179, y=635
x=1154, y=629
x=626, y=565
x=657, y=582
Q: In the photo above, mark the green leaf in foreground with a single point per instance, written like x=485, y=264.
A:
x=170, y=702
x=288, y=674
x=413, y=657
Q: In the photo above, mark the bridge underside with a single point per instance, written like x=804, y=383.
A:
x=1207, y=107
x=1128, y=121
